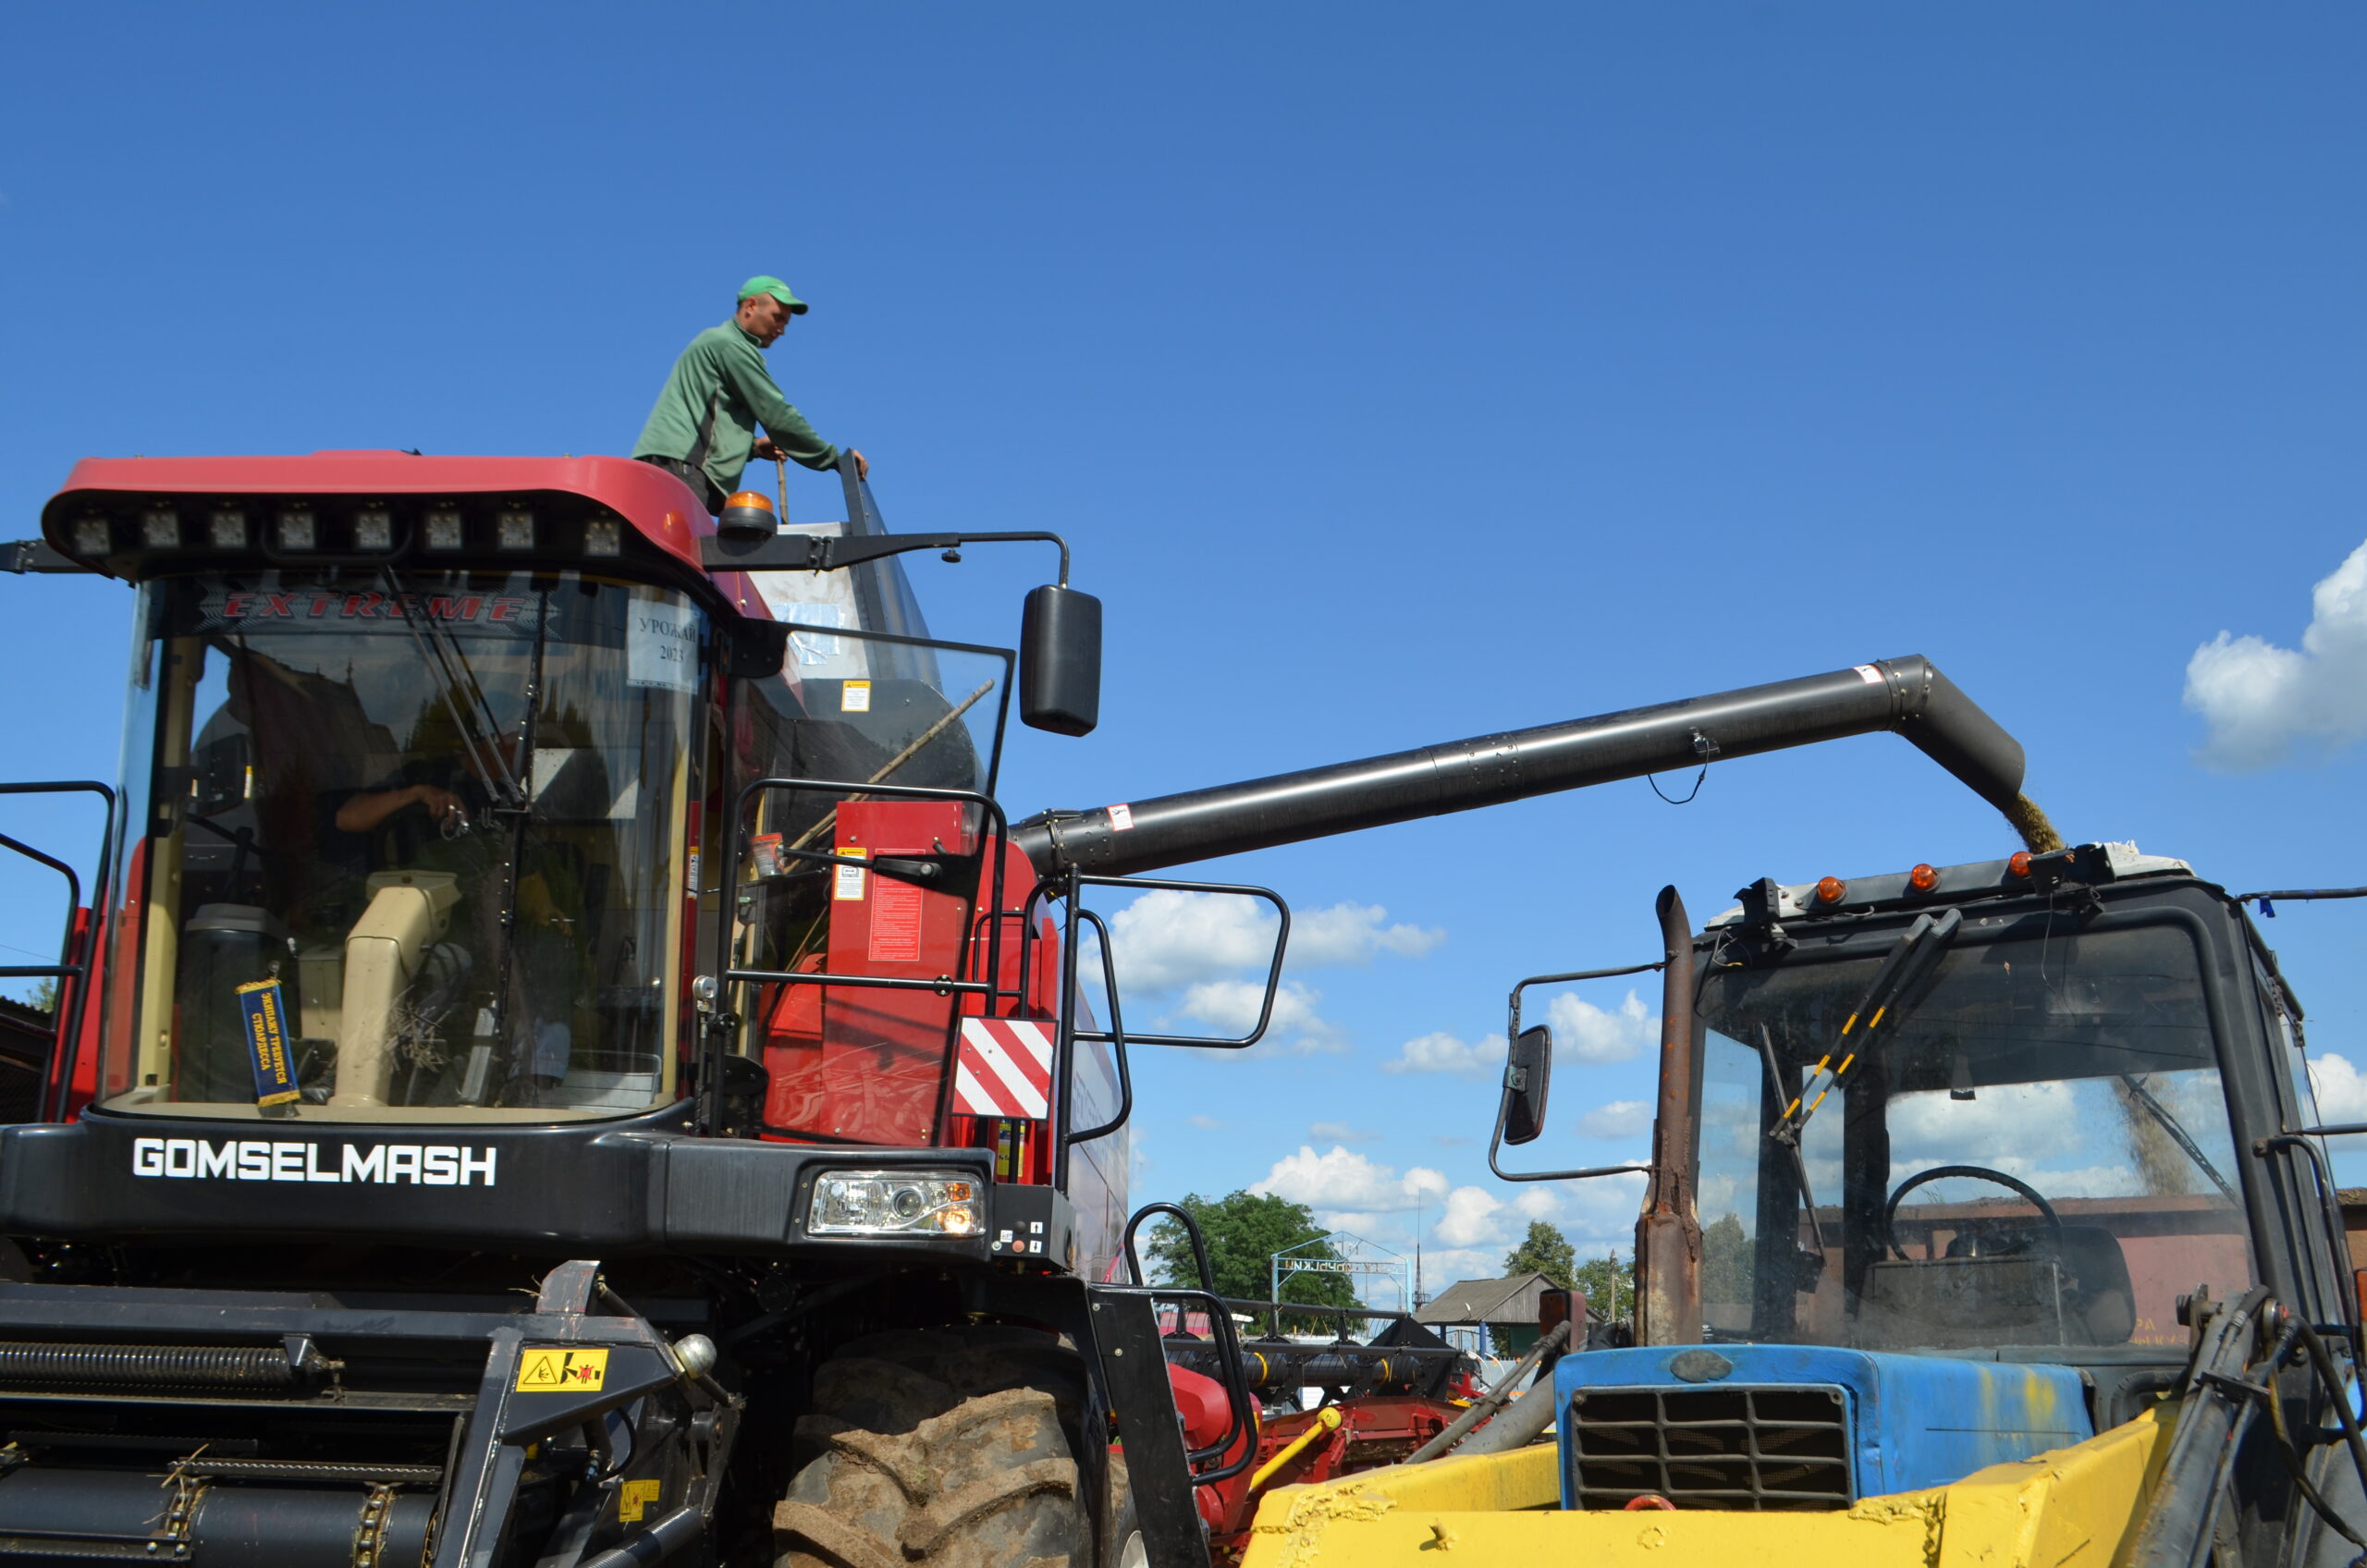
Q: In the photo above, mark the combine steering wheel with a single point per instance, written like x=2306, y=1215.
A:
x=1979, y=1173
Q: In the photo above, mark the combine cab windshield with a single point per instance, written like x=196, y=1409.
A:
x=411, y=847
x=2032, y=1149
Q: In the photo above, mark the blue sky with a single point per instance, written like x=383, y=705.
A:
x=1398, y=374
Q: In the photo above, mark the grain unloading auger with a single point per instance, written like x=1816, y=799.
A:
x=1988, y=1221
x=564, y=1062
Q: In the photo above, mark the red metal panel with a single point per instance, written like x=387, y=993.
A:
x=877, y=1065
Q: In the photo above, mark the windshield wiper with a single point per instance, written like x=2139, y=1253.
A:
x=457, y=680
x=2170, y=1124
x=1909, y=959
x=1799, y=1158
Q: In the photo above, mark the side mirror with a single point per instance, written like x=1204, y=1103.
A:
x=1528, y=1068
x=1059, y=661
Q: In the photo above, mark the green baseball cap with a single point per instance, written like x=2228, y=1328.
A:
x=777, y=289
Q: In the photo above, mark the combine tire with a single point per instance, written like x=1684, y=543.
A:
x=951, y=1448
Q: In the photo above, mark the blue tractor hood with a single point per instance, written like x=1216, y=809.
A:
x=1796, y=1427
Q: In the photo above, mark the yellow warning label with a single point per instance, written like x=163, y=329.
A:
x=634, y=1498
x=561, y=1369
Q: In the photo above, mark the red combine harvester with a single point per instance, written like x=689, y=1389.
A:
x=565, y=1063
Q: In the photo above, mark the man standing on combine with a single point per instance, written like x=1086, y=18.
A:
x=704, y=429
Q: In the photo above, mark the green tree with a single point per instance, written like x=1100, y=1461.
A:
x=1609, y=1286
x=1544, y=1251
x=1243, y=1231
x=1725, y=1262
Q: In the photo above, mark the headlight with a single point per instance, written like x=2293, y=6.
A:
x=893, y=1202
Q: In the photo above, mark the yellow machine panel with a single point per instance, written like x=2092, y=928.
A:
x=2071, y=1508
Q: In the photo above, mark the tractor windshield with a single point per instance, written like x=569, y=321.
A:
x=2029, y=1144
x=403, y=847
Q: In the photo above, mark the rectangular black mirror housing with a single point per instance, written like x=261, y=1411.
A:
x=1059, y=661
x=1529, y=1069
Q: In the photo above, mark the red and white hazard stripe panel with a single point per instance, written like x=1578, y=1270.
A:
x=1004, y=1068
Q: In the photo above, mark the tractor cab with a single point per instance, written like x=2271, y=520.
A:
x=1967, y=1136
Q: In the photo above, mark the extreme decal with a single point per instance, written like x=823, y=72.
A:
x=258, y=1159
x=263, y=609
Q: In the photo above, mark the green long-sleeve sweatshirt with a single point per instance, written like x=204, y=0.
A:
x=721, y=384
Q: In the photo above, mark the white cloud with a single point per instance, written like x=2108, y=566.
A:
x=2261, y=701
x=1444, y=1266
x=1442, y=1052
x=1209, y=947
x=1166, y=939
x=1341, y=1133
x=1342, y=1179
x=1616, y=1118
x=1230, y=1007
x=1205, y=1123
x=1585, y=1033
x=1353, y=934
x=1536, y=1202
x=2340, y=1089
x=1429, y=1183
x=1470, y=1218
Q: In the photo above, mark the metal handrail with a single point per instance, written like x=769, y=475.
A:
x=1505, y=1100
x=1244, y=1422
x=74, y=955
x=996, y=834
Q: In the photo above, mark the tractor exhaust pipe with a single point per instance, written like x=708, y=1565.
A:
x=1908, y=695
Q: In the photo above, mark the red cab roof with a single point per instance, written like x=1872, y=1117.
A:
x=652, y=500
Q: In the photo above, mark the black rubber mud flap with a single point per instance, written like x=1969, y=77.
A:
x=1133, y=1370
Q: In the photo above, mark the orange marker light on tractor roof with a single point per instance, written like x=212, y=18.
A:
x=1922, y=878
x=1829, y=890
x=2019, y=864
x=746, y=511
